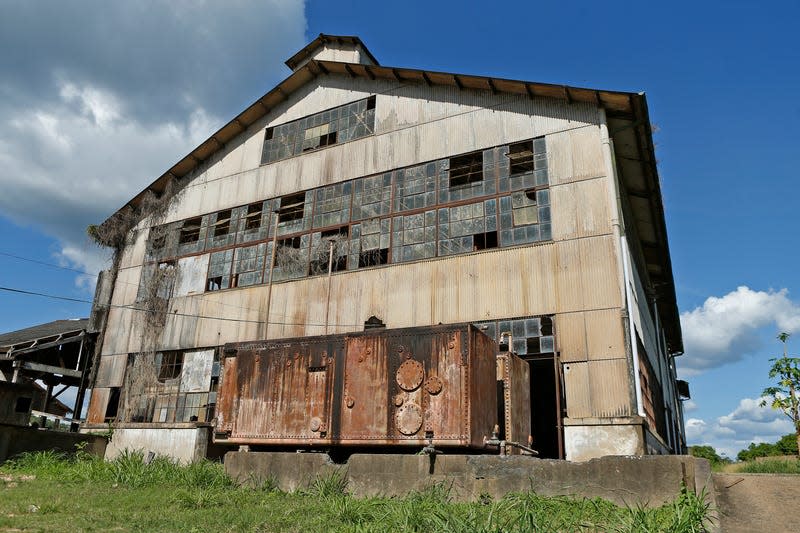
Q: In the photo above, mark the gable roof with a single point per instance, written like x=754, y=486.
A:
x=619, y=105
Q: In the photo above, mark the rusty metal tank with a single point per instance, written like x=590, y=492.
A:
x=377, y=388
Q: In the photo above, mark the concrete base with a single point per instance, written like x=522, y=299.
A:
x=15, y=440
x=585, y=442
x=650, y=481
x=183, y=444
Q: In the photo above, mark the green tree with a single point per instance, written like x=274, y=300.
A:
x=786, y=395
x=708, y=452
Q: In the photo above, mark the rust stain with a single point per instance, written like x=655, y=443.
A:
x=376, y=388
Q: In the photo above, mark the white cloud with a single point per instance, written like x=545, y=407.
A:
x=733, y=432
x=88, y=117
x=724, y=330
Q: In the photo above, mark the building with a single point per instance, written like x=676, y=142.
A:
x=410, y=198
x=55, y=354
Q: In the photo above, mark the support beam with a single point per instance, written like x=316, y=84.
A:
x=48, y=369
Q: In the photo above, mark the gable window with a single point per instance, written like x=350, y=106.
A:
x=466, y=169
x=190, y=232
x=223, y=224
x=336, y=125
x=520, y=157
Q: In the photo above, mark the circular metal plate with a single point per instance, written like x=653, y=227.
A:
x=409, y=375
x=433, y=385
x=408, y=418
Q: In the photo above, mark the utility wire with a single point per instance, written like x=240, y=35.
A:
x=175, y=313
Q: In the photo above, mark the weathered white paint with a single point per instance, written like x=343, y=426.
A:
x=191, y=275
x=582, y=443
x=196, y=371
x=182, y=444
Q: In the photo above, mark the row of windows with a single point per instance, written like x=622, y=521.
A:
x=424, y=216
x=489, y=173
x=333, y=126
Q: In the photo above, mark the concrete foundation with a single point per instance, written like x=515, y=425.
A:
x=585, y=442
x=15, y=440
x=646, y=480
x=183, y=444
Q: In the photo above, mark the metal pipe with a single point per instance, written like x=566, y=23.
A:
x=271, y=268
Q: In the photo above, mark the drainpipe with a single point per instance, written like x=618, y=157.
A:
x=271, y=268
x=621, y=251
x=330, y=270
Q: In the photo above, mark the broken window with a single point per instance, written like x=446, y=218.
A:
x=170, y=367
x=291, y=258
x=248, y=265
x=190, y=232
x=414, y=237
x=466, y=169
x=112, y=407
x=340, y=124
x=520, y=156
x=370, y=258
x=332, y=205
x=219, y=271
x=334, y=241
x=292, y=207
x=223, y=224
x=252, y=220
x=372, y=196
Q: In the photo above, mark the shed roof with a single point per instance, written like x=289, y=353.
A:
x=43, y=331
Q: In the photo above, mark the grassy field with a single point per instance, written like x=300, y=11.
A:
x=48, y=492
x=788, y=464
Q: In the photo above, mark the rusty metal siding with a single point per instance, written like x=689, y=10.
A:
x=514, y=373
x=576, y=390
x=97, y=405
x=388, y=387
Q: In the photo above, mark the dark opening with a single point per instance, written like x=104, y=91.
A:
x=291, y=242
x=501, y=410
x=214, y=284
x=112, y=406
x=371, y=102
x=269, y=134
x=190, y=232
x=373, y=258
x=158, y=242
x=339, y=238
x=253, y=218
x=484, y=241
x=520, y=157
x=544, y=407
x=292, y=207
x=327, y=139
x=171, y=364
x=530, y=194
x=23, y=405
x=374, y=322
x=223, y=224
x=466, y=169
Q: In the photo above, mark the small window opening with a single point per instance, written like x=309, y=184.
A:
x=466, y=169
x=373, y=258
x=318, y=136
x=214, y=284
x=112, y=406
x=190, y=232
x=292, y=207
x=326, y=140
x=23, y=404
x=252, y=220
x=374, y=322
x=291, y=242
x=223, y=224
x=158, y=242
x=546, y=326
x=484, y=241
x=520, y=157
x=270, y=132
x=171, y=364
x=371, y=102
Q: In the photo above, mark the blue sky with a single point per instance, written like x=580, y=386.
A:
x=98, y=99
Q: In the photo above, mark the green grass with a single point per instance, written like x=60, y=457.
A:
x=790, y=465
x=45, y=491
